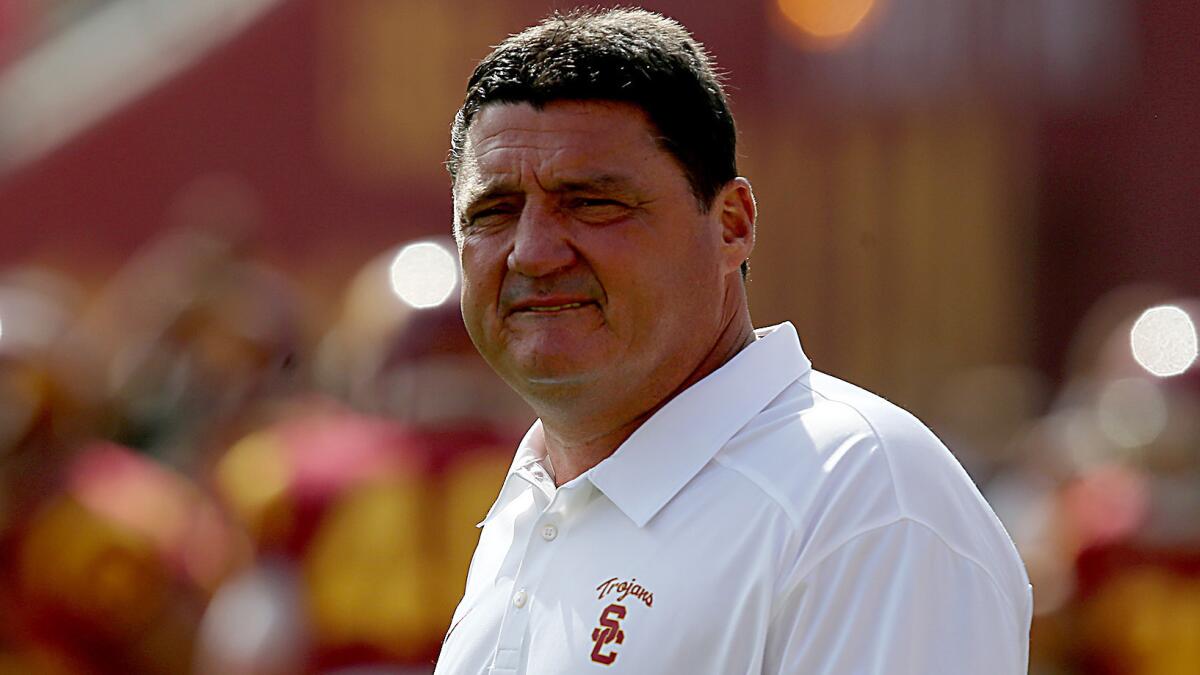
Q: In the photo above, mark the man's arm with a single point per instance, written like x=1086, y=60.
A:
x=897, y=600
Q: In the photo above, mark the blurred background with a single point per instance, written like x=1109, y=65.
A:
x=242, y=430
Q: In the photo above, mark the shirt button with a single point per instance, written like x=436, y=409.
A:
x=549, y=532
x=520, y=599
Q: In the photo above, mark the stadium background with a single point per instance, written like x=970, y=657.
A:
x=230, y=443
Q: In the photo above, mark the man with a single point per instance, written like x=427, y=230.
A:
x=694, y=498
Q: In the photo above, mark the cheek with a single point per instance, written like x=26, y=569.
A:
x=682, y=268
x=476, y=304
x=482, y=272
x=688, y=288
x=476, y=310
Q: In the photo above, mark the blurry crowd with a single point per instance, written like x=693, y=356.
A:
x=1097, y=478
x=194, y=479
x=201, y=473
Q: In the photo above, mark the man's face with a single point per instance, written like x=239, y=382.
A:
x=589, y=268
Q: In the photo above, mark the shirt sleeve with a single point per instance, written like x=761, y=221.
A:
x=896, y=600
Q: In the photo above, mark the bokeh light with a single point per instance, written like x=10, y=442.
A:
x=826, y=18
x=253, y=625
x=1164, y=340
x=424, y=274
x=1132, y=412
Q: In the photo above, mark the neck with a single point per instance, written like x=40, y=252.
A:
x=574, y=444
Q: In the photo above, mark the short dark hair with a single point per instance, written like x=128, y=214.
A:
x=627, y=55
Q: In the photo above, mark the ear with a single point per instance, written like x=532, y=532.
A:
x=735, y=207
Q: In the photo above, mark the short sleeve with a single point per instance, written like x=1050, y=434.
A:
x=897, y=600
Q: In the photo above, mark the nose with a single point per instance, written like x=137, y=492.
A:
x=541, y=243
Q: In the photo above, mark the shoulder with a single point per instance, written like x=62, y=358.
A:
x=843, y=462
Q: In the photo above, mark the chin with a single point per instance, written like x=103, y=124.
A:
x=557, y=376
x=554, y=372
x=554, y=381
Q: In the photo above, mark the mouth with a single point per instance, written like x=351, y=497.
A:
x=551, y=307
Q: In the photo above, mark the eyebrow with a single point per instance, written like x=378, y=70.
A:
x=506, y=188
x=605, y=181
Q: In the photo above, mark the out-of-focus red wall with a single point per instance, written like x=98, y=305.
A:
x=280, y=107
x=281, y=110
x=1119, y=190
x=249, y=110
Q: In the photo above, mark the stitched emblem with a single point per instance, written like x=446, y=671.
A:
x=608, y=633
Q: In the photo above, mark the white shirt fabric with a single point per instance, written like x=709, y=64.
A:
x=769, y=519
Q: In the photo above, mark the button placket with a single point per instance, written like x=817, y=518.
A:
x=531, y=572
x=514, y=628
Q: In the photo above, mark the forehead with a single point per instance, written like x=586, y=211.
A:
x=564, y=140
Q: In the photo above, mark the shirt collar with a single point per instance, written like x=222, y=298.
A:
x=525, y=471
x=671, y=447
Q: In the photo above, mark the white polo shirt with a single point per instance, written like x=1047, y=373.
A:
x=769, y=519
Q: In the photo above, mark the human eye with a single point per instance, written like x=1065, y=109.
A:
x=489, y=216
x=598, y=208
x=599, y=201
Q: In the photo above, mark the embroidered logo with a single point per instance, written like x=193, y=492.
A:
x=608, y=633
x=624, y=589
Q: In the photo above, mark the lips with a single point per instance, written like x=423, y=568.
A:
x=549, y=305
x=553, y=308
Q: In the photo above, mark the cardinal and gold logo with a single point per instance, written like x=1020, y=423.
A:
x=609, y=634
